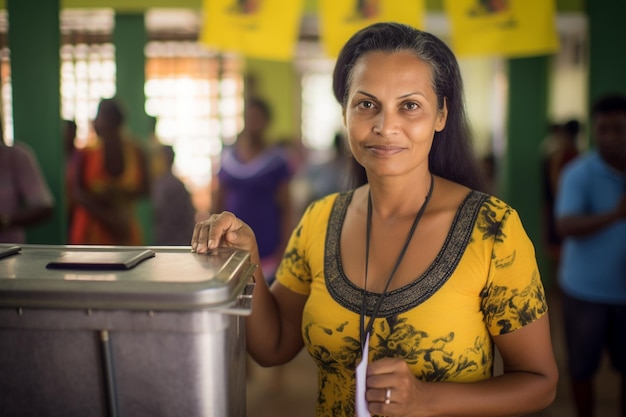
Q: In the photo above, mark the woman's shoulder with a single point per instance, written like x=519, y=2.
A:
x=489, y=206
x=495, y=203
x=455, y=195
x=20, y=151
x=474, y=210
x=326, y=203
x=495, y=218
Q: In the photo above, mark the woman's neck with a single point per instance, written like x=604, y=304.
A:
x=399, y=198
x=249, y=147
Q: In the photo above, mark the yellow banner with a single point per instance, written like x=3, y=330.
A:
x=265, y=29
x=513, y=28
x=340, y=19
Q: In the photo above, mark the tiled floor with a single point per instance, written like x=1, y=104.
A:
x=294, y=394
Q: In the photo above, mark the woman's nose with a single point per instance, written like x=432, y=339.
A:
x=386, y=123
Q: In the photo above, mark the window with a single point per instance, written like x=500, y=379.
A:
x=87, y=75
x=197, y=98
x=321, y=114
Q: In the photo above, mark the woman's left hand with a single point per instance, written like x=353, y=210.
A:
x=392, y=390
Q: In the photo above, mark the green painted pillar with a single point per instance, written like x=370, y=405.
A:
x=130, y=38
x=607, y=54
x=34, y=41
x=527, y=122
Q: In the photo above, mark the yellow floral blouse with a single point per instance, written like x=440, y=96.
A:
x=483, y=282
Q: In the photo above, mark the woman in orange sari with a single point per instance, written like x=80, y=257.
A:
x=111, y=177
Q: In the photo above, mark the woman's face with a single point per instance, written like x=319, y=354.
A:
x=255, y=120
x=391, y=113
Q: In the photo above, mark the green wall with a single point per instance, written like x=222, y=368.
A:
x=278, y=83
x=130, y=38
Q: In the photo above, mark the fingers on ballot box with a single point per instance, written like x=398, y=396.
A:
x=123, y=331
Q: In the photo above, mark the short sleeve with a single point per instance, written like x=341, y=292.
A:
x=304, y=257
x=514, y=295
x=571, y=192
x=294, y=271
x=31, y=183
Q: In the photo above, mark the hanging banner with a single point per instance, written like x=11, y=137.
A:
x=340, y=19
x=264, y=29
x=513, y=28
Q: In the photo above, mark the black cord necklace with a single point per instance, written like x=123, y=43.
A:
x=366, y=330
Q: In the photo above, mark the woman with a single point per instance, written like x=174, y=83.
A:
x=415, y=267
x=253, y=183
x=110, y=177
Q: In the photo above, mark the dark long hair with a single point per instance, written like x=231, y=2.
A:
x=452, y=155
x=114, y=110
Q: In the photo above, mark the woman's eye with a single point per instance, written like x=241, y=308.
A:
x=366, y=105
x=411, y=106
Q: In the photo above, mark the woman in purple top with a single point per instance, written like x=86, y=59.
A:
x=253, y=183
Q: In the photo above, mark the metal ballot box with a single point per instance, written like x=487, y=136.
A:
x=123, y=331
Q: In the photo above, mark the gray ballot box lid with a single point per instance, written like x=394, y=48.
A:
x=122, y=277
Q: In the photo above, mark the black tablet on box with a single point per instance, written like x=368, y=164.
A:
x=105, y=261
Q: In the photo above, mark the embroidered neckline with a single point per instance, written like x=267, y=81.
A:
x=405, y=298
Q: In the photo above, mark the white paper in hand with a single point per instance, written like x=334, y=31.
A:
x=361, y=377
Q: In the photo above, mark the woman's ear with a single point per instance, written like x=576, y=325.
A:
x=442, y=116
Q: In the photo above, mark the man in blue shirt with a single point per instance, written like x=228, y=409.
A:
x=591, y=217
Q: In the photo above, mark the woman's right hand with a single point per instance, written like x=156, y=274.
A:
x=225, y=230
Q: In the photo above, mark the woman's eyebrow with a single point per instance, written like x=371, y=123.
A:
x=413, y=93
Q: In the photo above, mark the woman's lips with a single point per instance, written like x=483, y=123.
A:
x=385, y=150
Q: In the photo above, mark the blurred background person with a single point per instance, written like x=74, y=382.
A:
x=253, y=183
x=69, y=148
x=565, y=150
x=25, y=198
x=157, y=159
x=69, y=138
x=111, y=176
x=591, y=217
x=560, y=148
x=331, y=175
x=174, y=213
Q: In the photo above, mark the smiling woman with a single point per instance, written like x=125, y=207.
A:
x=392, y=125
x=414, y=277
x=445, y=77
